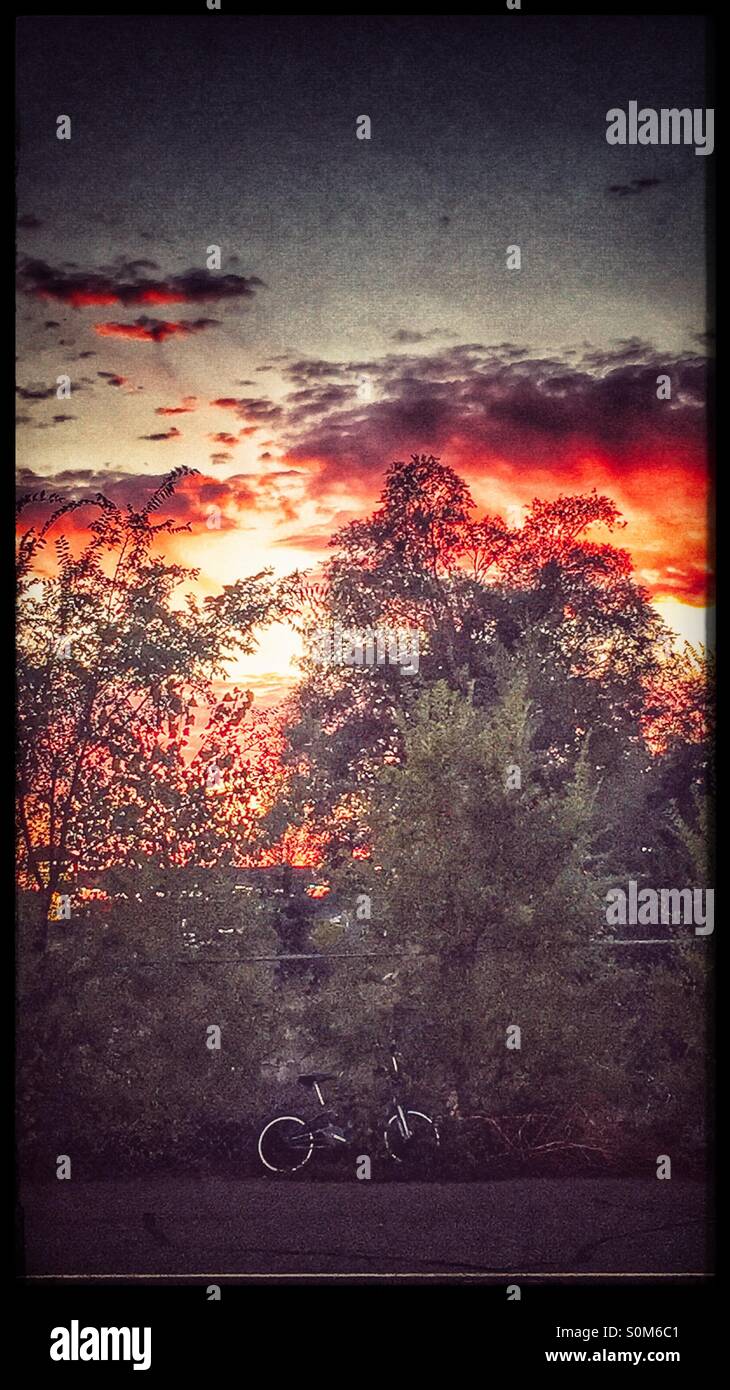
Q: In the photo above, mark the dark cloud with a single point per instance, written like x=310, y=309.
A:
x=622, y=350
x=112, y=379
x=497, y=404
x=35, y=392
x=125, y=283
x=304, y=370
x=85, y=482
x=314, y=401
x=256, y=410
x=172, y=433
x=511, y=351
x=636, y=186
x=408, y=336
x=53, y=423
x=29, y=222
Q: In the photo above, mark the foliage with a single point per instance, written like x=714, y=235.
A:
x=552, y=743
x=115, y=653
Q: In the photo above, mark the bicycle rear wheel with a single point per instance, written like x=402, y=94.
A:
x=422, y=1141
x=285, y=1144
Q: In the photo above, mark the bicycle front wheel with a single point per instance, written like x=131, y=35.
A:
x=421, y=1140
x=285, y=1144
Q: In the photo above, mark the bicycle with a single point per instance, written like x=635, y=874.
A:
x=287, y=1142
x=409, y=1134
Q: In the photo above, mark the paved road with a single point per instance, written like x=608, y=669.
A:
x=222, y=1226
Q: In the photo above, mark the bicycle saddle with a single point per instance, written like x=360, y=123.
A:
x=310, y=1078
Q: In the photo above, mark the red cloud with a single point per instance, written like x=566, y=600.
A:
x=240, y=499
x=152, y=330
x=174, y=409
x=113, y=379
x=230, y=439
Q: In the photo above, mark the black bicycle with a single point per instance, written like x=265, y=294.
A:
x=287, y=1142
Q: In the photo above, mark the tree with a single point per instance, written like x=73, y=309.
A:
x=487, y=887
x=113, y=649
x=481, y=595
x=115, y=1065
x=404, y=564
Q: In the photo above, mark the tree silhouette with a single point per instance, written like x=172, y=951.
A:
x=114, y=649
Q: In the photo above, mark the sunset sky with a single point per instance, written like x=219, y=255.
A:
x=363, y=310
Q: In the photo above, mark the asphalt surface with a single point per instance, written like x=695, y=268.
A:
x=219, y=1226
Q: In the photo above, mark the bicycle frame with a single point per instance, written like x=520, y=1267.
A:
x=398, y=1106
x=317, y=1133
